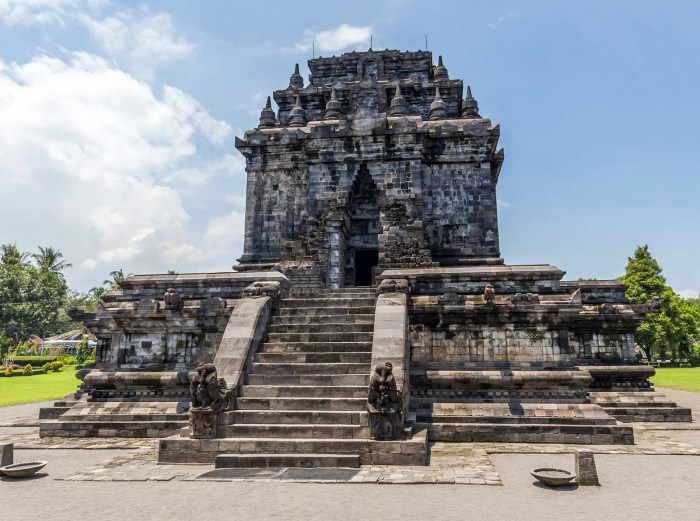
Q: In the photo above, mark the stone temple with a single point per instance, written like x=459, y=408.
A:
x=371, y=311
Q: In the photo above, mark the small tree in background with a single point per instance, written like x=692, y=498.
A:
x=82, y=351
x=675, y=328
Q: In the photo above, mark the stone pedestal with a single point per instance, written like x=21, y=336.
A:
x=203, y=424
x=586, y=473
x=385, y=426
x=6, y=454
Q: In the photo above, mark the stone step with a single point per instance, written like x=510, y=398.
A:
x=51, y=413
x=304, y=391
x=286, y=460
x=110, y=418
x=294, y=430
x=110, y=429
x=284, y=404
x=315, y=347
x=340, y=336
x=520, y=420
x=311, y=417
x=521, y=433
x=327, y=327
x=322, y=301
x=650, y=414
x=371, y=452
x=360, y=290
x=359, y=318
x=325, y=310
x=332, y=357
x=322, y=379
x=259, y=368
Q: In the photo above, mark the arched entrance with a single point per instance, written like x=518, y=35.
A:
x=362, y=252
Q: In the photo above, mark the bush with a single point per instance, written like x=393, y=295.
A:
x=9, y=371
x=28, y=371
x=46, y=367
x=36, y=361
x=67, y=360
x=56, y=366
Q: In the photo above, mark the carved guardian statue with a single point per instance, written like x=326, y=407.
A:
x=210, y=396
x=383, y=403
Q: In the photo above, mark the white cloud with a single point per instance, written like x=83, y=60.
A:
x=36, y=12
x=89, y=154
x=689, y=293
x=333, y=40
x=229, y=165
x=502, y=205
x=225, y=231
x=139, y=40
x=144, y=43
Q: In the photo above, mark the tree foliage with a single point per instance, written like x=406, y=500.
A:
x=675, y=328
x=30, y=300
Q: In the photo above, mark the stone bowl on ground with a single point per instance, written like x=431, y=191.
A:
x=22, y=470
x=553, y=477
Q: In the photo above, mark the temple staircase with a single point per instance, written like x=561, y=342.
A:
x=304, y=400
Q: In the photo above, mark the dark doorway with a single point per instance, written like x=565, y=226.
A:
x=365, y=260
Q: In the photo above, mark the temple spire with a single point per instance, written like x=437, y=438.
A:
x=297, y=116
x=295, y=80
x=438, y=108
x=470, y=108
x=399, y=105
x=333, y=107
x=440, y=72
x=267, y=115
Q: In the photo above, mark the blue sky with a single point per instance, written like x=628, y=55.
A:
x=117, y=122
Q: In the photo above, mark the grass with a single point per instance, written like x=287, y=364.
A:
x=680, y=378
x=37, y=388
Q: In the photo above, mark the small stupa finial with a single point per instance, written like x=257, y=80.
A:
x=470, y=108
x=297, y=116
x=399, y=105
x=438, y=108
x=333, y=107
x=267, y=115
x=440, y=71
x=295, y=80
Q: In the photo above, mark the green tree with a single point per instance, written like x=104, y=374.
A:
x=30, y=301
x=49, y=259
x=115, y=278
x=674, y=329
x=12, y=256
x=82, y=350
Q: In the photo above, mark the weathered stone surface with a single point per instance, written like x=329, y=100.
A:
x=324, y=189
x=6, y=454
x=586, y=473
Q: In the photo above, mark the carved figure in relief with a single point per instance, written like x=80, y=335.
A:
x=262, y=289
x=653, y=304
x=489, y=295
x=172, y=299
x=524, y=299
x=393, y=286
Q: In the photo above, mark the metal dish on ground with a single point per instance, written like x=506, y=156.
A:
x=22, y=470
x=553, y=477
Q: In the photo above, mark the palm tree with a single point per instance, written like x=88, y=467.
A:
x=97, y=292
x=10, y=254
x=172, y=272
x=48, y=259
x=116, y=277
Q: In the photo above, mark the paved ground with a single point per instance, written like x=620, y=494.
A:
x=656, y=479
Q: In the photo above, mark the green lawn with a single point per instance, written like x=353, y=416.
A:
x=681, y=378
x=38, y=387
